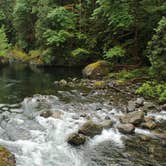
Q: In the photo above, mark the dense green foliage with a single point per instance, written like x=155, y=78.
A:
x=4, y=46
x=76, y=32
x=154, y=90
x=156, y=50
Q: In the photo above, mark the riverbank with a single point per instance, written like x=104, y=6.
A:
x=127, y=122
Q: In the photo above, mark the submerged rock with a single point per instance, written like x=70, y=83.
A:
x=91, y=129
x=47, y=114
x=76, y=139
x=126, y=128
x=6, y=157
x=96, y=70
x=134, y=118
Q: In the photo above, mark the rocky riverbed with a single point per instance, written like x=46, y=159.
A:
x=81, y=122
x=70, y=129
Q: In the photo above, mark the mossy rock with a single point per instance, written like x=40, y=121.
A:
x=6, y=157
x=100, y=84
x=96, y=70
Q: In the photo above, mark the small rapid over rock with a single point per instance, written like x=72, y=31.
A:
x=43, y=141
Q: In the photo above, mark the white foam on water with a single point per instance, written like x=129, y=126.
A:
x=144, y=132
x=112, y=135
x=159, y=115
x=49, y=147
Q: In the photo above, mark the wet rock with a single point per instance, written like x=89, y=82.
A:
x=161, y=135
x=163, y=107
x=134, y=118
x=100, y=84
x=57, y=115
x=6, y=157
x=145, y=138
x=62, y=82
x=149, y=106
x=140, y=102
x=107, y=124
x=107, y=118
x=131, y=106
x=149, y=123
x=96, y=70
x=46, y=114
x=76, y=139
x=126, y=128
x=91, y=129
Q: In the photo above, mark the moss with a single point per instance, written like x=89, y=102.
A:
x=130, y=74
x=100, y=84
x=19, y=55
x=6, y=158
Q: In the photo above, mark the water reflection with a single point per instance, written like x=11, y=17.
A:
x=20, y=81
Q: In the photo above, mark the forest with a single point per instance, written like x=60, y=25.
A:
x=126, y=33
x=117, y=52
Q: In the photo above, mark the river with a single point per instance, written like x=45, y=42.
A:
x=36, y=141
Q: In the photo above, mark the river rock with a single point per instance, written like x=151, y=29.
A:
x=47, y=114
x=6, y=157
x=76, y=139
x=149, y=123
x=96, y=70
x=131, y=106
x=139, y=102
x=134, y=118
x=126, y=128
x=57, y=115
x=100, y=84
x=149, y=106
x=91, y=129
x=62, y=82
x=107, y=124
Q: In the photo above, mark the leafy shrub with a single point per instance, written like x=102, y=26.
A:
x=156, y=50
x=154, y=90
x=114, y=53
x=4, y=46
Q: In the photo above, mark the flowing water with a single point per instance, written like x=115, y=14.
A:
x=37, y=141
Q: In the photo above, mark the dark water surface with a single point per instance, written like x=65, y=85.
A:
x=19, y=81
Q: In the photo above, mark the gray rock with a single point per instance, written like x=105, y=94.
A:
x=149, y=106
x=62, y=82
x=134, y=118
x=107, y=124
x=131, y=106
x=126, y=128
x=76, y=139
x=149, y=123
x=140, y=102
x=91, y=129
x=46, y=114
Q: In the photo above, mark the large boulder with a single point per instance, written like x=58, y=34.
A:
x=76, y=139
x=91, y=129
x=126, y=128
x=6, y=158
x=134, y=118
x=96, y=70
